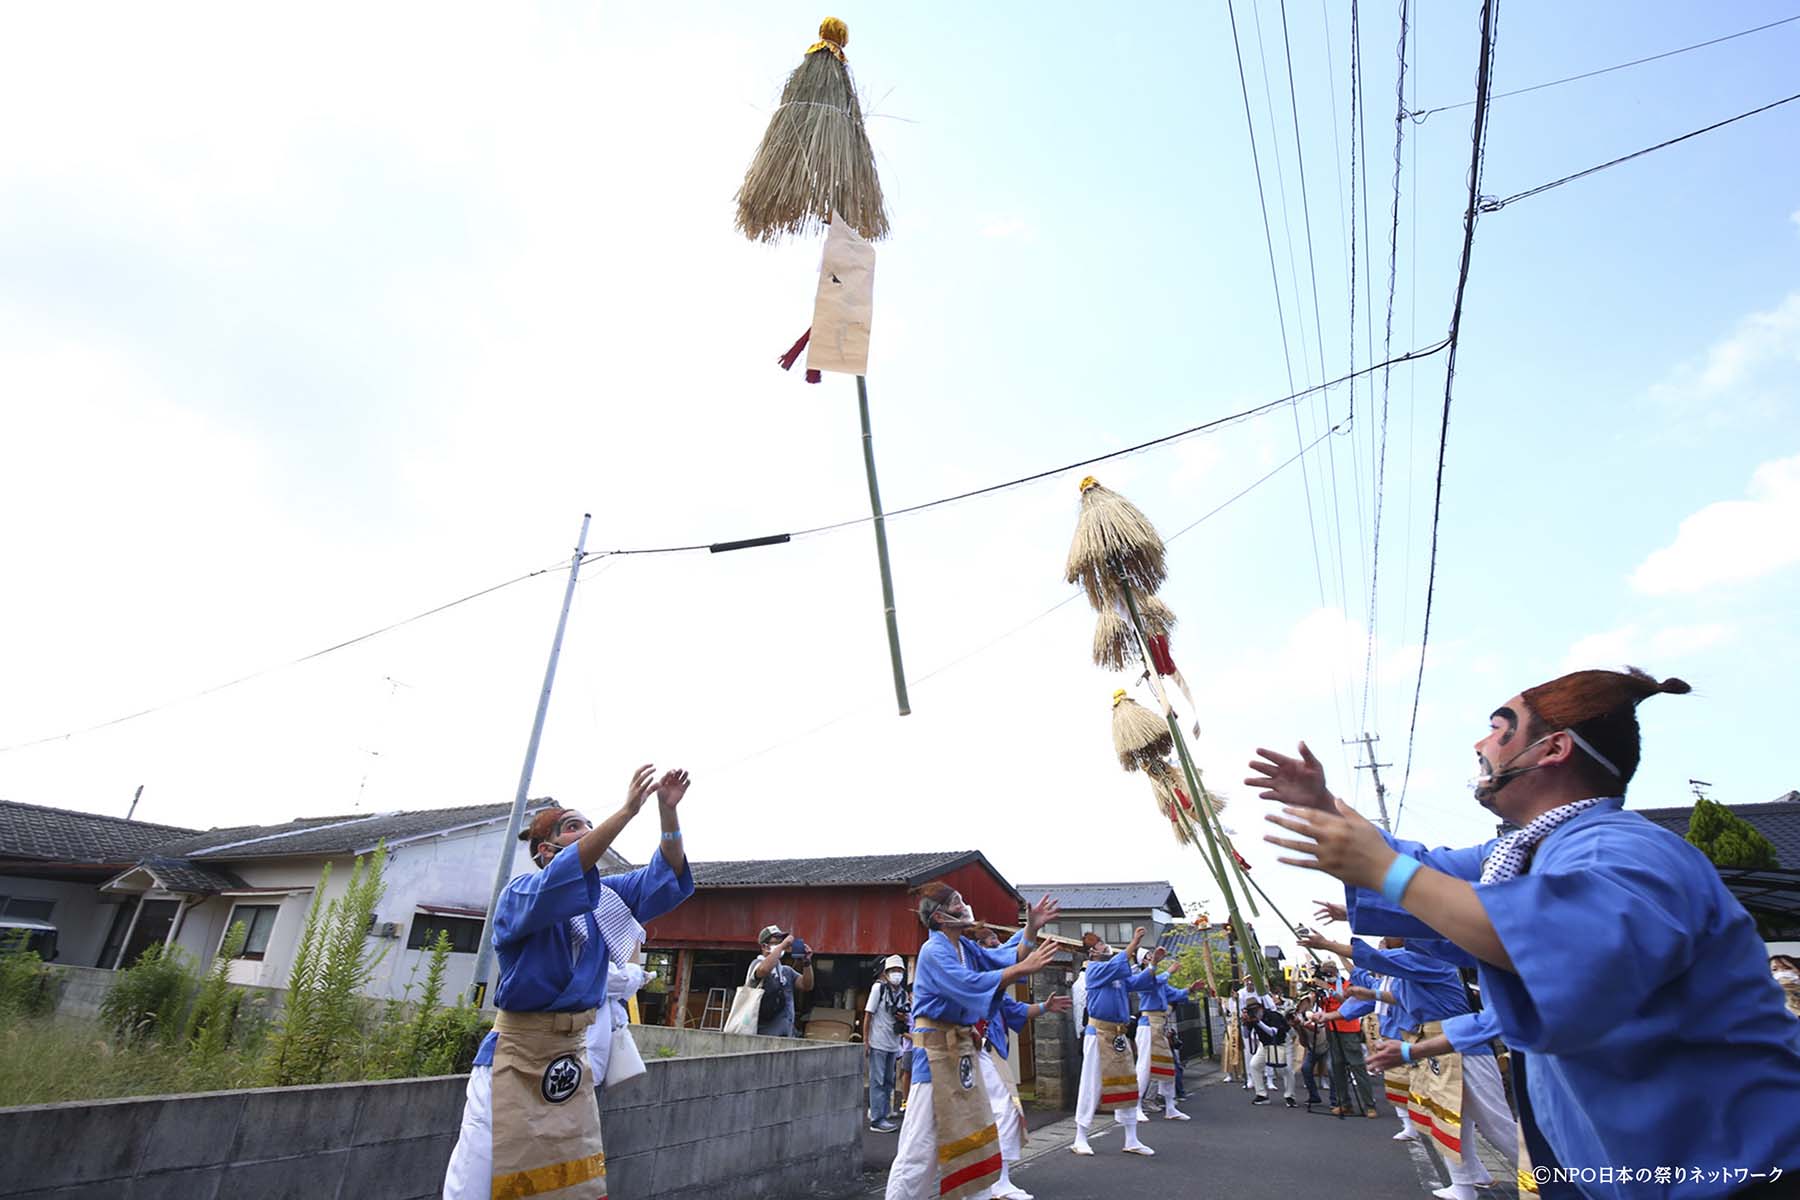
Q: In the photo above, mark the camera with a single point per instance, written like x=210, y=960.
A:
x=800, y=949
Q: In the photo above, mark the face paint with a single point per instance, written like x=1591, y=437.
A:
x=1488, y=782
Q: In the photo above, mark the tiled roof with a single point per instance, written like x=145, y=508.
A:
x=906, y=870
x=32, y=831
x=1778, y=820
x=179, y=875
x=347, y=833
x=1086, y=897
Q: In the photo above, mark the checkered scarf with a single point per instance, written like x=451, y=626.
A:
x=619, y=929
x=1510, y=858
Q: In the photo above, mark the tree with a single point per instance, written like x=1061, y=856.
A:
x=1729, y=840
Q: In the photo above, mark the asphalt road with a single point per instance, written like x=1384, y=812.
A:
x=1231, y=1148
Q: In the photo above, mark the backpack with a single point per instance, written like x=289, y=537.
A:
x=772, y=997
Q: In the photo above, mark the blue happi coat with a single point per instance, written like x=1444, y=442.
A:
x=538, y=969
x=956, y=983
x=1642, y=999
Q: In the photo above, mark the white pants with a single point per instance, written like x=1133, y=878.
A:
x=1087, y=1101
x=1262, y=1068
x=1484, y=1108
x=1145, y=1083
x=1006, y=1113
x=914, y=1175
x=470, y=1175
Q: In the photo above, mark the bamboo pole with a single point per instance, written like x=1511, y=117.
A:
x=881, y=550
x=1220, y=876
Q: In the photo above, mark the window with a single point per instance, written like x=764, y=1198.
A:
x=465, y=933
x=29, y=910
x=258, y=921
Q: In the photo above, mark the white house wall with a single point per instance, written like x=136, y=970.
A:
x=81, y=915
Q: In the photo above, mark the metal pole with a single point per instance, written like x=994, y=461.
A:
x=485, y=956
x=881, y=550
x=135, y=797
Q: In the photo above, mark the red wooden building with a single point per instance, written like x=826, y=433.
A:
x=852, y=912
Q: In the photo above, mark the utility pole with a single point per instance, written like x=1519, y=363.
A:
x=134, y=799
x=1367, y=742
x=485, y=956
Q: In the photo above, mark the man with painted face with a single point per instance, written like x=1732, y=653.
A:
x=531, y=1124
x=1108, y=1075
x=949, y=1145
x=1603, y=941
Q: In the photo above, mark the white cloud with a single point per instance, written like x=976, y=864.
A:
x=1755, y=366
x=1632, y=643
x=1731, y=541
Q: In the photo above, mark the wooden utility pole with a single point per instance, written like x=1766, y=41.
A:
x=1367, y=742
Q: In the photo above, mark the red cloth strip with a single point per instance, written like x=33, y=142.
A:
x=788, y=360
x=954, y=1180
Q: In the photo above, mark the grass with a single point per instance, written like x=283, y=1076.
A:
x=47, y=1060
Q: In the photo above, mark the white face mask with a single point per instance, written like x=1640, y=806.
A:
x=896, y=976
x=1786, y=976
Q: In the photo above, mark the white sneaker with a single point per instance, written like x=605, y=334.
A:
x=1142, y=1149
x=1407, y=1135
x=1173, y=1115
x=1083, y=1149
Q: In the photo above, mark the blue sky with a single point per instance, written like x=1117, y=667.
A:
x=305, y=330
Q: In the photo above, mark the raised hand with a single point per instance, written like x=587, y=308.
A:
x=1059, y=1003
x=1042, y=913
x=671, y=788
x=1314, y=940
x=1340, y=842
x=1327, y=911
x=1158, y=954
x=1299, y=782
x=643, y=782
x=1040, y=957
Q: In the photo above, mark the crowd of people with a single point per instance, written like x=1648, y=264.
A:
x=1652, y=1045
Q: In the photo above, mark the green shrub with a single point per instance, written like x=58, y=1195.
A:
x=214, y=1016
x=320, y=1035
x=25, y=982
x=149, y=997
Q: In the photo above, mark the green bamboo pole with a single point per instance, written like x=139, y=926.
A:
x=881, y=550
x=1220, y=876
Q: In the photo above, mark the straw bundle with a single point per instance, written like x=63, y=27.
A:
x=815, y=158
x=1140, y=736
x=1114, y=541
x=1168, y=780
x=1115, y=645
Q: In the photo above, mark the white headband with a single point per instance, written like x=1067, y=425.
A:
x=1593, y=753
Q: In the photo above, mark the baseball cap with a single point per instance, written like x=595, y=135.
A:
x=771, y=933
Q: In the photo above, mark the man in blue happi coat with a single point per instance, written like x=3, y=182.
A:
x=1605, y=945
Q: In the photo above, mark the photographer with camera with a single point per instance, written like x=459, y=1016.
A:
x=1269, y=1028
x=778, y=980
x=886, y=1018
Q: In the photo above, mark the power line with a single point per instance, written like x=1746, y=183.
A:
x=1024, y=625
x=1477, y=146
x=1220, y=422
x=1037, y=476
x=1387, y=346
x=294, y=662
x=1419, y=117
x=1489, y=206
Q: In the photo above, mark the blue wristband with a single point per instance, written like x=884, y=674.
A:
x=1406, y=1047
x=1399, y=874
x=673, y=835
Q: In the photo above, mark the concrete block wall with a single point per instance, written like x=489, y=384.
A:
x=389, y=1139
x=736, y=1116
x=79, y=991
x=728, y=1116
